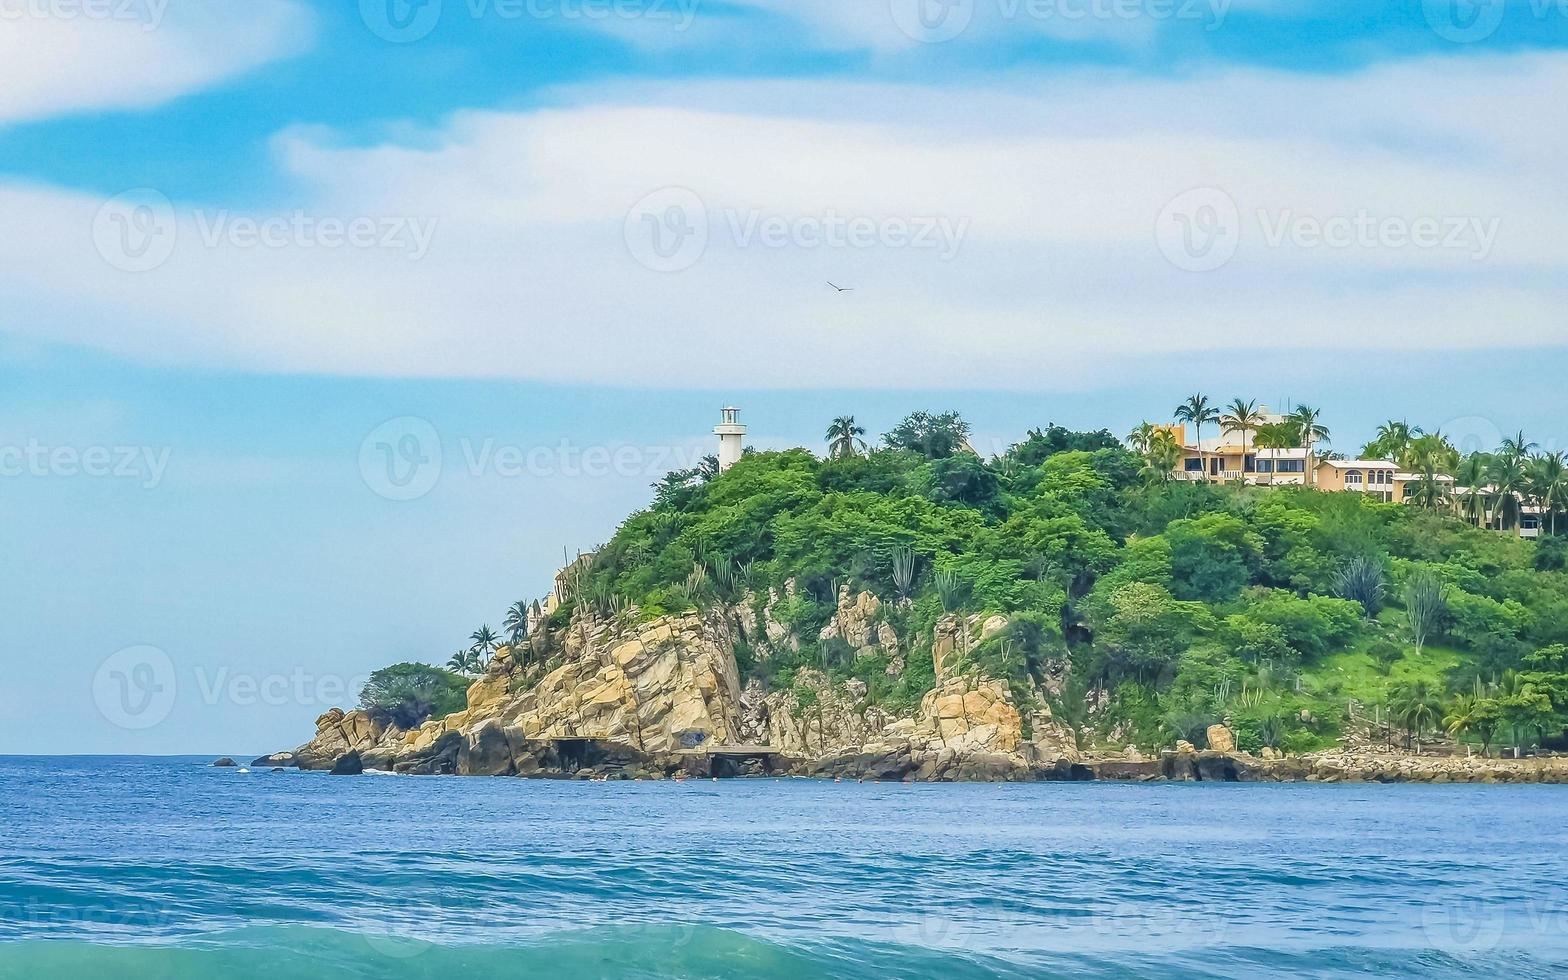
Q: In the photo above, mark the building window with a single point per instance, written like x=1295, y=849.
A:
x=1194, y=464
x=1353, y=478
x=1530, y=522
x=1264, y=465
x=1290, y=466
x=1249, y=464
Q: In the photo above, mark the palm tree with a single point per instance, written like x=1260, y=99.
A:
x=1517, y=447
x=484, y=644
x=1471, y=474
x=1162, y=455
x=464, y=662
x=516, y=625
x=1141, y=438
x=1508, y=483
x=1242, y=417
x=843, y=438
x=1392, y=442
x=1279, y=435
x=1197, y=411
x=1546, y=481
x=1416, y=706
x=1431, y=490
x=1312, y=432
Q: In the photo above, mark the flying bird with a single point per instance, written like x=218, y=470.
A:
x=842, y=289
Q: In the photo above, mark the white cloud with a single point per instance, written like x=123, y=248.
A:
x=1057, y=280
x=68, y=56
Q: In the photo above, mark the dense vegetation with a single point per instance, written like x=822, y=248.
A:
x=1141, y=609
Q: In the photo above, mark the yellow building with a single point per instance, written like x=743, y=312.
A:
x=1228, y=456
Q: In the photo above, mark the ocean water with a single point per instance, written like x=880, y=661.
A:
x=167, y=868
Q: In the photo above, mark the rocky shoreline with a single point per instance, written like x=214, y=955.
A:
x=621, y=698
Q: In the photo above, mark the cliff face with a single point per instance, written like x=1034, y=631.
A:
x=653, y=698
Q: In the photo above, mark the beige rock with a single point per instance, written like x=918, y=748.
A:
x=1220, y=739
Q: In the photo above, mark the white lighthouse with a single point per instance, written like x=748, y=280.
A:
x=731, y=436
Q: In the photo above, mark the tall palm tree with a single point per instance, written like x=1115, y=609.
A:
x=1472, y=474
x=516, y=625
x=844, y=438
x=484, y=644
x=1508, y=484
x=1242, y=416
x=1277, y=436
x=1546, y=480
x=1197, y=412
x=1431, y=490
x=1517, y=447
x=1312, y=431
x=464, y=662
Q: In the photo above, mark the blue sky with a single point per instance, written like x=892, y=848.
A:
x=252, y=249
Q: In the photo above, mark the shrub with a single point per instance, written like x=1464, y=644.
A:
x=407, y=694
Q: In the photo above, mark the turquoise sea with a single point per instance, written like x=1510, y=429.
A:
x=167, y=868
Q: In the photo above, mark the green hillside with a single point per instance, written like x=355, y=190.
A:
x=1141, y=608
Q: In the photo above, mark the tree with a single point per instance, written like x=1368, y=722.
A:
x=844, y=438
x=1508, y=483
x=484, y=644
x=1546, y=481
x=464, y=662
x=1431, y=490
x=1392, y=441
x=1416, y=706
x=516, y=624
x=933, y=436
x=1242, y=416
x=408, y=693
x=1425, y=606
x=1197, y=412
x=1312, y=432
x=1471, y=475
x=1276, y=435
x=1140, y=438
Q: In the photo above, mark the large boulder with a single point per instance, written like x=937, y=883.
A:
x=349, y=764
x=275, y=760
x=337, y=734
x=1221, y=739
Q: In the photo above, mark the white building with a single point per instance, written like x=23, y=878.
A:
x=732, y=438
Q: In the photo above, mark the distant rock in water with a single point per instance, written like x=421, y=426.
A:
x=284, y=759
x=348, y=765
x=225, y=763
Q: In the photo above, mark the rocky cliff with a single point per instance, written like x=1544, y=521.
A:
x=621, y=697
